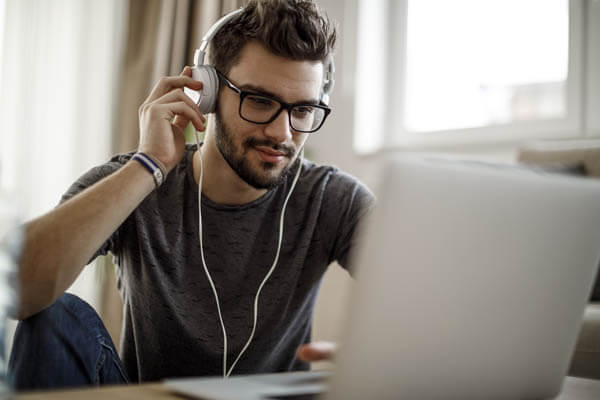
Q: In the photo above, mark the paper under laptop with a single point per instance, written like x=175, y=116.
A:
x=471, y=284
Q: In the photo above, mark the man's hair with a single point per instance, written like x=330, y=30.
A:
x=293, y=29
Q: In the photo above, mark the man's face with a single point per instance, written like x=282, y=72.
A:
x=262, y=154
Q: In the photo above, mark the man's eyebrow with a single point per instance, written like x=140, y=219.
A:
x=262, y=91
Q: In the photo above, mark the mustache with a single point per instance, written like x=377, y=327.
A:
x=252, y=142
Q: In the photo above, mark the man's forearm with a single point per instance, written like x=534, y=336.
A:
x=59, y=243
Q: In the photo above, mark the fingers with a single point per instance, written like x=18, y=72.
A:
x=178, y=95
x=168, y=83
x=179, y=121
x=316, y=351
x=182, y=109
x=170, y=89
x=190, y=111
x=182, y=123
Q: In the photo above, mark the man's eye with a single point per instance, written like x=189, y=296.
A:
x=303, y=111
x=258, y=101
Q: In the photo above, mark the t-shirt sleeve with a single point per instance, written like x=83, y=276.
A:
x=351, y=201
x=87, y=180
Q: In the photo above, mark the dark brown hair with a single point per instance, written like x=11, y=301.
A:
x=293, y=29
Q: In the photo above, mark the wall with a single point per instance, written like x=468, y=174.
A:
x=334, y=145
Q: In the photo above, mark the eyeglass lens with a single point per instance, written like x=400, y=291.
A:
x=261, y=109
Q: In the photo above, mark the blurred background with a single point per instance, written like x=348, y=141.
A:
x=472, y=79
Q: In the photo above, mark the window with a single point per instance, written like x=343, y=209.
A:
x=475, y=63
x=438, y=72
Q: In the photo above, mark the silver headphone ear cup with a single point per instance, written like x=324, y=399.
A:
x=328, y=80
x=207, y=97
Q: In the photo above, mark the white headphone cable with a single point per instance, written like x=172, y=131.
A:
x=227, y=373
x=280, y=240
x=212, y=285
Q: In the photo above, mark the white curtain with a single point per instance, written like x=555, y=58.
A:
x=59, y=69
x=59, y=64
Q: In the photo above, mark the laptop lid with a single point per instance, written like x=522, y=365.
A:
x=472, y=283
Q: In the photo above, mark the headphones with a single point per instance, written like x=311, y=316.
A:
x=206, y=99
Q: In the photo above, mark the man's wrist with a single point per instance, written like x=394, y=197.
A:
x=152, y=165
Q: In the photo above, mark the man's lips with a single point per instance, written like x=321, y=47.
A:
x=270, y=155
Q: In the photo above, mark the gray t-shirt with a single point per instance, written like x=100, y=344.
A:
x=171, y=326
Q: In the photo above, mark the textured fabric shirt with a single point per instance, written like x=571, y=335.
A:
x=171, y=326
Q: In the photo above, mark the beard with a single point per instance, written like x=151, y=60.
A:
x=262, y=177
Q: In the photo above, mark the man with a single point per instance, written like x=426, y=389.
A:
x=270, y=58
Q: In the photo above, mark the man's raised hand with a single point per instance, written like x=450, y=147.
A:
x=164, y=116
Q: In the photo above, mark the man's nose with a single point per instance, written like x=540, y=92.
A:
x=279, y=130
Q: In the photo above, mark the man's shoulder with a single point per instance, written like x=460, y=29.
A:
x=333, y=176
x=313, y=170
x=121, y=158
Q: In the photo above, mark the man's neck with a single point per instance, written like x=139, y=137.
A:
x=220, y=183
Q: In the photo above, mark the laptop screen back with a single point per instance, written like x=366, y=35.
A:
x=472, y=281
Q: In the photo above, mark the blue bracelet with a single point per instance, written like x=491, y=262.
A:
x=151, y=166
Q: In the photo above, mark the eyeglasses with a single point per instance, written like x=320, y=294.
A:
x=264, y=109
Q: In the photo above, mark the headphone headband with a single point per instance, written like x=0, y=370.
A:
x=201, y=51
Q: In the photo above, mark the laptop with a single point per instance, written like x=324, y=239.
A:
x=471, y=284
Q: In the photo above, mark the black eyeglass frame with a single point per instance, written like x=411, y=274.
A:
x=282, y=106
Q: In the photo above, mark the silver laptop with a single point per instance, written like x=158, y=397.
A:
x=472, y=281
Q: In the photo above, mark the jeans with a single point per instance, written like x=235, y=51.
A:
x=65, y=345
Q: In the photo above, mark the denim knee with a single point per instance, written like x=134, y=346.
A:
x=65, y=345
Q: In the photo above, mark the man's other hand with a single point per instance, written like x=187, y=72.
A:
x=316, y=351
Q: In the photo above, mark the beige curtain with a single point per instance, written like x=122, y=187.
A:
x=161, y=38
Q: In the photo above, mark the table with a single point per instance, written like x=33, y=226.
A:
x=150, y=391
x=573, y=389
